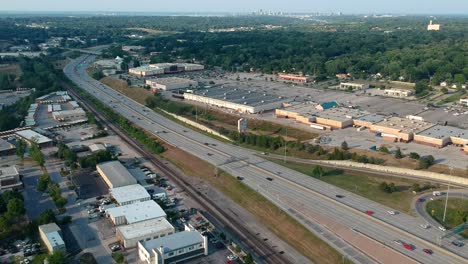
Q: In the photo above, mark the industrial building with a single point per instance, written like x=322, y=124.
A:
x=32, y=136
x=6, y=148
x=51, y=236
x=368, y=120
x=96, y=147
x=175, y=248
x=130, y=235
x=433, y=27
x=164, y=68
x=10, y=178
x=170, y=83
x=134, y=213
x=295, y=78
x=353, y=86
x=115, y=174
x=440, y=136
x=239, y=100
x=69, y=115
x=129, y=194
x=393, y=92
x=400, y=129
x=327, y=105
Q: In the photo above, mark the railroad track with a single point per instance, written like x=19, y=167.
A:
x=261, y=250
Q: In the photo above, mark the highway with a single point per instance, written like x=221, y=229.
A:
x=303, y=197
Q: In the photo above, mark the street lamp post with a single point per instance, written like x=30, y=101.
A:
x=446, y=197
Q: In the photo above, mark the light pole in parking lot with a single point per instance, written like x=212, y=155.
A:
x=446, y=197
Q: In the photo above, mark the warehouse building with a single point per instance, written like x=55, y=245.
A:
x=175, y=248
x=32, y=136
x=170, y=83
x=353, y=86
x=10, y=178
x=115, y=174
x=134, y=213
x=131, y=235
x=464, y=102
x=239, y=100
x=398, y=92
x=368, y=120
x=440, y=136
x=327, y=105
x=295, y=78
x=69, y=115
x=165, y=68
x=400, y=129
x=51, y=236
x=129, y=194
x=6, y=148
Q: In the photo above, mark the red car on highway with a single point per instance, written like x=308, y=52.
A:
x=368, y=212
x=408, y=246
x=427, y=251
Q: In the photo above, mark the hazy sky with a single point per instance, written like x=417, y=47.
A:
x=345, y=6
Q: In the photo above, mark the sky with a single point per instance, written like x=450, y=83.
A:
x=235, y=6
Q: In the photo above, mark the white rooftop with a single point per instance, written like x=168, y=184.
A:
x=145, y=228
x=55, y=239
x=116, y=173
x=138, y=212
x=8, y=171
x=174, y=241
x=129, y=193
x=30, y=134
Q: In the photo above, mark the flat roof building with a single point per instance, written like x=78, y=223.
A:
x=131, y=235
x=6, y=148
x=32, y=136
x=440, y=136
x=400, y=129
x=433, y=27
x=129, y=194
x=353, y=86
x=165, y=68
x=69, y=115
x=393, y=92
x=97, y=147
x=51, y=236
x=295, y=78
x=327, y=105
x=170, y=83
x=136, y=212
x=239, y=100
x=9, y=178
x=115, y=174
x=175, y=248
x=368, y=120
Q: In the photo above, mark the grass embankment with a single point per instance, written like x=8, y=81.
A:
x=364, y=185
x=136, y=93
x=457, y=212
x=284, y=226
x=450, y=99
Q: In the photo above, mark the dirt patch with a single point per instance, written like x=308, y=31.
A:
x=11, y=69
x=137, y=94
x=264, y=211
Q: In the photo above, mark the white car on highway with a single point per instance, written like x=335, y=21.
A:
x=425, y=226
x=442, y=228
x=391, y=212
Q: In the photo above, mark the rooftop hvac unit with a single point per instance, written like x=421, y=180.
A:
x=243, y=97
x=262, y=101
x=264, y=94
x=245, y=103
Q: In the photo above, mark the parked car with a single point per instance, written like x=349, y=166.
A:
x=391, y=212
x=442, y=228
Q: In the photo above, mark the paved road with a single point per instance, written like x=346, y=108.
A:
x=299, y=195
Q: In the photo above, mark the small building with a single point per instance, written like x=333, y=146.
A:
x=6, y=148
x=433, y=27
x=170, y=83
x=74, y=104
x=97, y=147
x=51, y=236
x=353, y=86
x=393, y=92
x=10, y=178
x=69, y=115
x=175, y=248
x=115, y=174
x=134, y=213
x=326, y=106
x=131, y=235
x=342, y=76
x=32, y=136
x=129, y=194
x=400, y=129
x=464, y=102
x=439, y=136
x=295, y=78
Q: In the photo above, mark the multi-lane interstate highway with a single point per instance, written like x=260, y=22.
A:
x=303, y=197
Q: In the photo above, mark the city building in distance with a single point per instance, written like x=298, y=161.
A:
x=353, y=86
x=164, y=68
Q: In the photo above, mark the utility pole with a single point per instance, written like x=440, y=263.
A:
x=285, y=145
x=446, y=197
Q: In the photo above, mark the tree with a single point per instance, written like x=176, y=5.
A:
x=118, y=257
x=318, y=171
x=414, y=155
x=415, y=187
x=398, y=153
x=21, y=146
x=36, y=154
x=344, y=145
x=43, y=182
x=248, y=259
x=87, y=258
x=426, y=161
x=15, y=207
x=58, y=257
x=384, y=149
x=46, y=217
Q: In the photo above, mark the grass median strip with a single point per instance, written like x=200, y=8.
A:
x=280, y=223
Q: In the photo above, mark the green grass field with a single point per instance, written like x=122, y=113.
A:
x=457, y=212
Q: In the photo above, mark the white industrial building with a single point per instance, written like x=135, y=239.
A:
x=398, y=92
x=51, y=236
x=175, y=248
x=353, y=86
x=239, y=100
x=130, y=235
x=134, y=213
x=96, y=147
x=32, y=136
x=68, y=115
x=164, y=68
x=170, y=83
x=9, y=178
x=129, y=194
x=115, y=174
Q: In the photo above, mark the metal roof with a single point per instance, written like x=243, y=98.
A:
x=138, y=212
x=5, y=145
x=30, y=134
x=372, y=118
x=116, y=173
x=439, y=131
x=175, y=241
x=129, y=193
x=8, y=171
x=145, y=228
